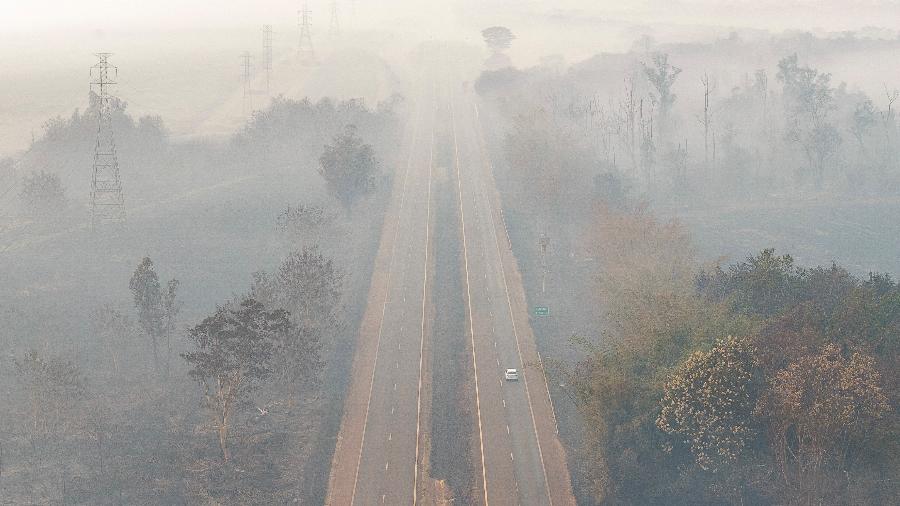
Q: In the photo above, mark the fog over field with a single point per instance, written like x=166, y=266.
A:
x=349, y=252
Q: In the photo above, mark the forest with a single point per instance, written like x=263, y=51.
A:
x=680, y=376
x=128, y=382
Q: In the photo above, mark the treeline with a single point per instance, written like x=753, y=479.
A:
x=728, y=133
x=154, y=398
x=285, y=138
x=128, y=428
x=759, y=383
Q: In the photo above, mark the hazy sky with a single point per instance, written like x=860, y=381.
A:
x=29, y=15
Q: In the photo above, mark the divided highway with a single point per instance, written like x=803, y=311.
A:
x=380, y=456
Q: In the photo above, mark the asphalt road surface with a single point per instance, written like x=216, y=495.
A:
x=379, y=457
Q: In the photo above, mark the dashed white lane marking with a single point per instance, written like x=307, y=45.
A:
x=395, y=386
x=495, y=344
x=387, y=463
x=498, y=361
x=462, y=222
x=382, y=498
x=504, y=403
x=511, y=456
x=391, y=435
x=507, y=429
x=392, y=410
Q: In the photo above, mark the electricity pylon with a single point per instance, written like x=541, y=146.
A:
x=335, y=28
x=305, y=46
x=267, y=54
x=107, y=198
x=245, y=78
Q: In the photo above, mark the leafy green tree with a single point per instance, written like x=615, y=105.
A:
x=233, y=357
x=763, y=285
x=349, y=167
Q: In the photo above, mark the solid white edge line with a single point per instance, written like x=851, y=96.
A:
x=424, y=298
x=513, y=320
x=462, y=217
x=362, y=444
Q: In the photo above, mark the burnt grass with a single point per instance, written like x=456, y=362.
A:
x=452, y=426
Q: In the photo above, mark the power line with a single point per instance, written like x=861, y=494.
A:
x=335, y=28
x=107, y=198
x=245, y=78
x=267, y=55
x=305, y=46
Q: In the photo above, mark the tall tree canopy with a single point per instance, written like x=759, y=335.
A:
x=498, y=38
x=349, y=167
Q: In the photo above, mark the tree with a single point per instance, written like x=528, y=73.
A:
x=156, y=309
x=43, y=195
x=147, y=295
x=114, y=330
x=823, y=409
x=349, y=167
x=662, y=76
x=809, y=98
x=308, y=286
x=709, y=401
x=233, y=356
x=305, y=225
x=171, y=308
x=765, y=284
x=498, y=38
x=54, y=386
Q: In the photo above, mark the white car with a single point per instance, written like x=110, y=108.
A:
x=512, y=375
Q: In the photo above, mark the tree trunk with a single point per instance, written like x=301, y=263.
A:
x=223, y=434
x=155, y=344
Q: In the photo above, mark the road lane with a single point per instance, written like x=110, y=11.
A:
x=376, y=459
x=520, y=411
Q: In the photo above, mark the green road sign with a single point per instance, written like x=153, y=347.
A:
x=541, y=311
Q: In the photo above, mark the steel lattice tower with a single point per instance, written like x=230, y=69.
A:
x=335, y=28
x=245, y=79
x=305, y=46
x=107, y=198
x=267, y=54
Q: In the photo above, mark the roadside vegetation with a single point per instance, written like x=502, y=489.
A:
x=198, y=355
x=680, y=377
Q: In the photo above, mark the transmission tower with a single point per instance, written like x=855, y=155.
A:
x=245, y=78
x=305, y=47
x=267, y=54
x=107, y=198
x=335, y=28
